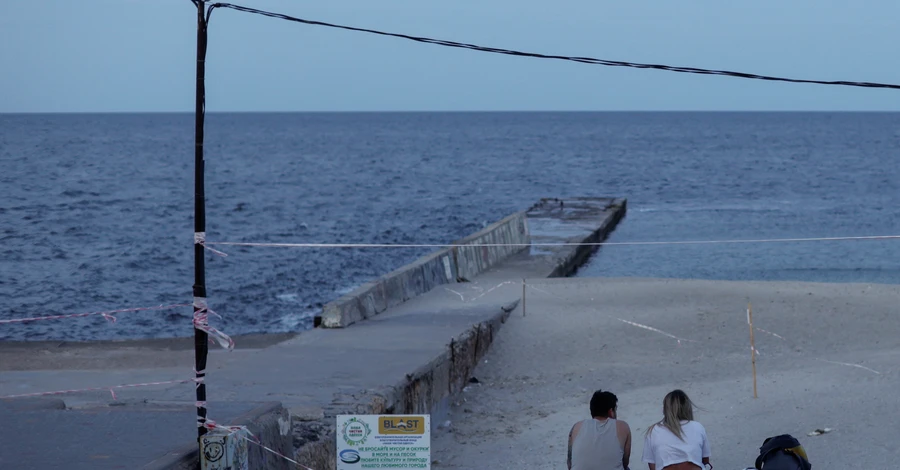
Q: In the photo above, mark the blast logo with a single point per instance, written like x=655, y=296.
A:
x=349, y=456
x=401, y=425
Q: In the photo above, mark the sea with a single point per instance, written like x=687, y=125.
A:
x=97, y=210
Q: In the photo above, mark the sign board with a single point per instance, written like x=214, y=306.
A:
x=224, y=451
x=383, y=441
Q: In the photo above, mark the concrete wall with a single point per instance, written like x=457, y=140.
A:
x=573, y=257
x=474, y=260
x=390, y=290
x=270, y=423
x=428, y=390
x=428, y=272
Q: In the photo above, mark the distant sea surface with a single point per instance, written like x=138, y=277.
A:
x=97, y=210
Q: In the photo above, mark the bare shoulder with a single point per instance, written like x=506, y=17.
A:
x=622, y=426
x=575, y=428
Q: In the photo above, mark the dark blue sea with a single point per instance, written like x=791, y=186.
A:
x=97, y=210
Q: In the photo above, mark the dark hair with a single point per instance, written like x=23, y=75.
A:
x=601, y=403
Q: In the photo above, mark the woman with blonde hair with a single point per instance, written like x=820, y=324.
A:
x=677, y=442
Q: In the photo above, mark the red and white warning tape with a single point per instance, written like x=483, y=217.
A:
x=201, y=322
x=200, y=239
x=106, y=314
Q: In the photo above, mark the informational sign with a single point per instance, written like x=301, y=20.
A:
x=383, y=441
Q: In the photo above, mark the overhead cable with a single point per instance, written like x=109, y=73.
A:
x=585, y=60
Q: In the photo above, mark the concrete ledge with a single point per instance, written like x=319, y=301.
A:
x=31, y=404
x=426, y=273
x=269, y=422
x=390, y=290
x=551, y=217
x=578, y=255
x=472, y=261
x=429, y=389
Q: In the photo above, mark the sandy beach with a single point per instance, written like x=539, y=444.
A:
x=828, y=357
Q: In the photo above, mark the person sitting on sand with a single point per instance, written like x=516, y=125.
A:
x=602, y=442
x=677, y=442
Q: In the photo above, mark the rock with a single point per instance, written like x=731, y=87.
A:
x=819, y=432
x=305, y=432
x=307, y=413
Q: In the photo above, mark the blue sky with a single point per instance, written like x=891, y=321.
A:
x=138, y=55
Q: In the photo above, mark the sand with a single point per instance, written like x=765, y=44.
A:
x=833, y=364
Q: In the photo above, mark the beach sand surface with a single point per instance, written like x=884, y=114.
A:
x=828, y=357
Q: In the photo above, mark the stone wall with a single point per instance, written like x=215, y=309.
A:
x=270, y=423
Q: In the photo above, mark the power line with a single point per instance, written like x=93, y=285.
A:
x=585, y=60
x=473, y=245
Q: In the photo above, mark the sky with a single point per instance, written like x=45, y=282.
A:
x=139, y=55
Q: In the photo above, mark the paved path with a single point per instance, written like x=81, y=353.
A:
x=45, y=435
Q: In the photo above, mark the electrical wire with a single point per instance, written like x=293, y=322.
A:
x=585, y=60
x=538, y=244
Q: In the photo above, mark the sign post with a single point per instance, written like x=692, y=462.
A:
x=383, y=441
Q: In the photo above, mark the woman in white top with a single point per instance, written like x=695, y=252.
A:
x=677, y=442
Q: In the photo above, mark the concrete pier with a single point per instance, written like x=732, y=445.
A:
x=404, y=343
x=447, y=266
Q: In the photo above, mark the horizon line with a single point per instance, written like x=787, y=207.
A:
x=458, y=111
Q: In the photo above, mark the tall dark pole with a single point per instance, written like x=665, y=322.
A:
x=201, y=343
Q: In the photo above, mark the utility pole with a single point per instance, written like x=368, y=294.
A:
x=201, y=338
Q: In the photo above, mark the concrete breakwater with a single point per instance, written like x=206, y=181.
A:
x=465, y=259
x=431, y=388
x=447, y=266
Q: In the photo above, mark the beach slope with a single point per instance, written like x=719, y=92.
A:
x=828, y=357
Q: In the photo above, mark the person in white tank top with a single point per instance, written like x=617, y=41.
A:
x=677, y=442
x=601, y=442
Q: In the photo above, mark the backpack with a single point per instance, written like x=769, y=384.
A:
x=782, y=452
